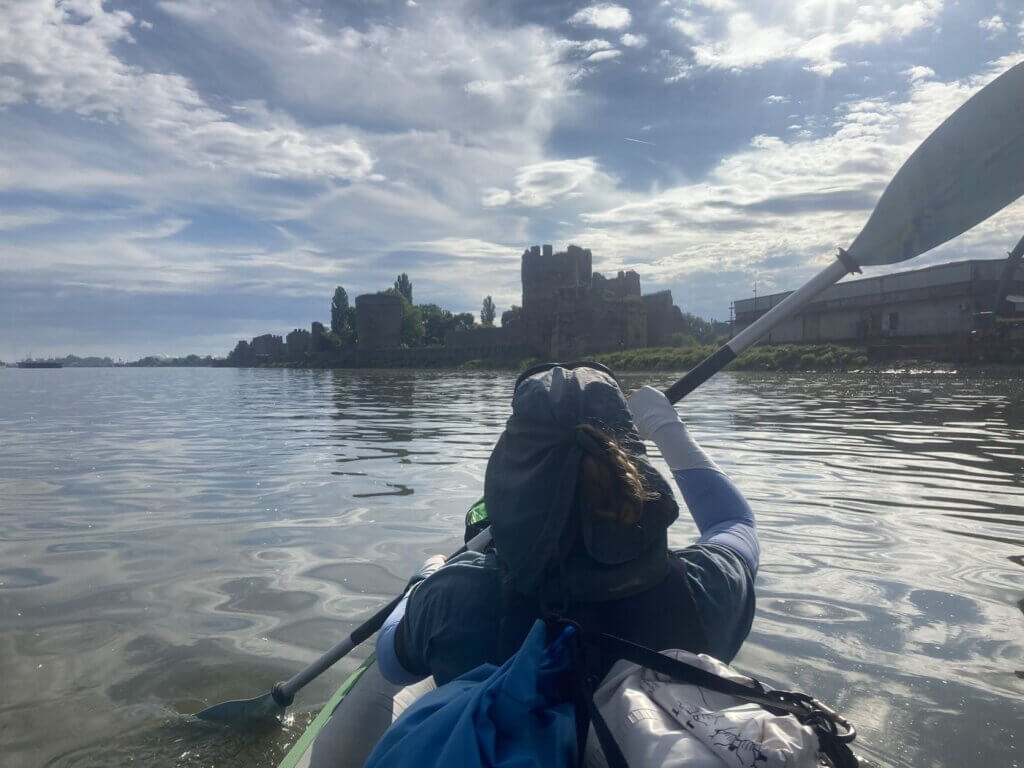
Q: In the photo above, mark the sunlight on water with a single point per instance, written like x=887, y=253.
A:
x=172, y=538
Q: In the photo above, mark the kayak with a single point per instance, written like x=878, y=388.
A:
x=302, y=751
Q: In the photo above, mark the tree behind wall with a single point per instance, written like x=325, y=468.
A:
x=241, y=354
x=487, y=312
x=438, y=322
x=510, y=317
x=698, y=328
x=404, y=286
x=339, y=311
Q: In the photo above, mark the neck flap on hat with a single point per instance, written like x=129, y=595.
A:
x=545, y=541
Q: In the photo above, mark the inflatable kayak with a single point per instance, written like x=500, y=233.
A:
x=301, y=752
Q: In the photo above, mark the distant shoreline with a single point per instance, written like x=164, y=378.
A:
x=783, y=358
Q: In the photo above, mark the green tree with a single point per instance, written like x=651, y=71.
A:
x=412, y=333
x=241, y=354
x=350, y=334
x=412, y=326
x=487, y=312
x=510, y=317
x=697, y=327
x=339, y=310
x=463, y=321
x=403, y=285
x=436, y=323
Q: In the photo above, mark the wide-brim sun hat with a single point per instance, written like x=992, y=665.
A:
x=545, y=540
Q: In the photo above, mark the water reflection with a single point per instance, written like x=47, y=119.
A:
x=170, y=538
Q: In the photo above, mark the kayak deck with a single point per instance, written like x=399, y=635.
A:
x=301, y=752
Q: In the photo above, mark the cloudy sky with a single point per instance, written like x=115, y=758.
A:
x=177, y=175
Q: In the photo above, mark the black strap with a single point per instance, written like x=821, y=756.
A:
x=679, y=670
x=833, y=732
x=612, y=754
x=587, y=713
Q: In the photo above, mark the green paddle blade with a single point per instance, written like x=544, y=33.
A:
x=969, y=168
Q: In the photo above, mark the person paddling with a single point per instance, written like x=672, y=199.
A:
x=579, y=518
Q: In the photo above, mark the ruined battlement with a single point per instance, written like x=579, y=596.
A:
x=544, y=272
x=568, y=309
x=619, y=287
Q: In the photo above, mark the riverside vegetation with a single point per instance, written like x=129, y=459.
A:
x=783, y=357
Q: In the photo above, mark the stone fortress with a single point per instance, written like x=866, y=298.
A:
x=568, y=310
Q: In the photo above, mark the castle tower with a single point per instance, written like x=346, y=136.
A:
x=549, y=278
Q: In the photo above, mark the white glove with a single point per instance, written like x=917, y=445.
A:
x=651, y=410
x=656, y=419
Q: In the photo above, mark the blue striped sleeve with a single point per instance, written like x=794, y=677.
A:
x=722, y=515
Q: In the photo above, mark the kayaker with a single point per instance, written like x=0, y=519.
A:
x=579, y=518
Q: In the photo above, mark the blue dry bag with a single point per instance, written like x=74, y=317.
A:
x=514, y=716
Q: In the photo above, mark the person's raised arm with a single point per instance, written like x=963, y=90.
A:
x=718, y=508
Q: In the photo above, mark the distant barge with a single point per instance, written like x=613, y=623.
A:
x=40, y=364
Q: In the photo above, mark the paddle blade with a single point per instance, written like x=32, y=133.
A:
x=969, y=168
x=262, y=708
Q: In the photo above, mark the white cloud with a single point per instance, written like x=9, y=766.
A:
x=993, y=25
x=776, y=99
x=494, y=197
x=603, y=16
x=465, y=109
x=811, y=32
x=61, y=57
x=633, y=41
x=189, y=9
x=415, y=75
x=919, y=73
x=603, y=56
x=541, y=184
x=796, y=199
x=29, y=217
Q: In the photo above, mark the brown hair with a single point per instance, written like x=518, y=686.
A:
x=609, y=480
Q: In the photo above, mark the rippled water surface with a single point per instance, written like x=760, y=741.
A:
x=172, y=538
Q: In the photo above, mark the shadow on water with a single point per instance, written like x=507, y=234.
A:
x=173, y=538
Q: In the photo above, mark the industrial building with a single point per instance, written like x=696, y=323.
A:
x=945, y=305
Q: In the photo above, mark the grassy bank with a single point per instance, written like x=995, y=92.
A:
x=790, y=357
x=783, y=357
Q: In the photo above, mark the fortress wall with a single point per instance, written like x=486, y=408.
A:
x=482, y=338
x=663, y=319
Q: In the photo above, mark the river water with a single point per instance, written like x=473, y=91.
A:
x=171, y=538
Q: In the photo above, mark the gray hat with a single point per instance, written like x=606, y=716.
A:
x=546, y=544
